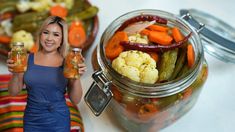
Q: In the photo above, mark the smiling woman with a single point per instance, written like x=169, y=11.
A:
x=46, y=108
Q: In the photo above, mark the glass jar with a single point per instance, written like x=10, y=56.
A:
x=73, y=58
x=148, y=107
x=19, y=56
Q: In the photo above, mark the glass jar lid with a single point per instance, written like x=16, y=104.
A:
x=217, y=36
x=76, y=49
x=18, y=44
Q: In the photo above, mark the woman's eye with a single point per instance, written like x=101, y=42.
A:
x=45, y=32
x=56, y=34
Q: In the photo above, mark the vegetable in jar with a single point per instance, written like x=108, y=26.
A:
x=72, y=60
x=19, y=56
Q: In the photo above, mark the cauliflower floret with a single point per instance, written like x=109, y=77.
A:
x=137, y=38
x=131, y=72
x=148, y=75
x=23, y=6
x=118, y=63
x=6, y=26
x=136, y=65
x=25, y=37
x=41, y=5
x=68, y=3
x=134, y=59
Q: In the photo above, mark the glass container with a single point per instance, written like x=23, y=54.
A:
x=151, y=107
x=72, y=60
x=19, y=56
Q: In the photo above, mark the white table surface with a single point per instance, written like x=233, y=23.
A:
x=215, y=108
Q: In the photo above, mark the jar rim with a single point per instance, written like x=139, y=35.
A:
x=18, y=44
x=157, y=89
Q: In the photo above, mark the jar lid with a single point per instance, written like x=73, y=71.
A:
x=217, y=36
x=18, y=44
x=76, y=49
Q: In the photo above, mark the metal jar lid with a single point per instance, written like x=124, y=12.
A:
x=18, y=44
x=218, y=37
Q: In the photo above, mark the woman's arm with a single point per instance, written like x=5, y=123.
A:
x=75, y=87
x=16, y=83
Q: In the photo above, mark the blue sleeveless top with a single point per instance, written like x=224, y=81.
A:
x=46, y=108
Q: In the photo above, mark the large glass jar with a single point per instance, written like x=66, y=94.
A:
x=148, y=107
x=19, y=56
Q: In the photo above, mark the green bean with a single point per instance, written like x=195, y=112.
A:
x=86, y=14
x=7, y=6
x=198, y=83
x=88, y=26
x=184, y=70
x=167, y=64
x=29, y=17
x=29, y=27
x=179, y=63
x=77, y=7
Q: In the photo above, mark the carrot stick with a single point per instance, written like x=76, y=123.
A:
x=160, y=38
x=34, y=49
x=5, y=39
x=154, y=55
x=145, y=32
x=113, y=47
x=190, y=55
x=6, y=16
x=157, y=28
x=177, y=35
x=58, y=10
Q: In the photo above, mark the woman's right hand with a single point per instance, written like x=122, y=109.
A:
x=10, y=63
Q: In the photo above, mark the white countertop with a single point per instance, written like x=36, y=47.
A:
x=215, y=108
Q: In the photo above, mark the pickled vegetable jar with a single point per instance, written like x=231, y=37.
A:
x=152, y=64
x=72, y=60
x=19, y=56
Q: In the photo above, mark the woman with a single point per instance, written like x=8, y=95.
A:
x=46, y=108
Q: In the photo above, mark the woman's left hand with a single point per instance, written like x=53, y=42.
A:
x=82, y=67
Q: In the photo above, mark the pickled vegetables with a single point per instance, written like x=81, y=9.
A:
x=136, y=65
x=162, y=56
x=166, y=44
x=28, y=16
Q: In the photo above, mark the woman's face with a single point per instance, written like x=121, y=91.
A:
x=51, y=37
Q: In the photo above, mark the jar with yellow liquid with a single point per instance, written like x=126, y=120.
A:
x=19, y=56
x=73, y=58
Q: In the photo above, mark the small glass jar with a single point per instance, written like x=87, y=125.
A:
x=141, y=107
x=19, y=56
x=73, y=58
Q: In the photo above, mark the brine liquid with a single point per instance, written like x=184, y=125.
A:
x=71, y=65
x=20, y=61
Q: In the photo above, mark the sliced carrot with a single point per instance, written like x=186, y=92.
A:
x=6, y=15
x=147, y=112
x=160, y=37
x=58, y=10
x=190, y=55
x=158, y=28
x=113, y=47
x=5, y=39
x=77, y=35
x=145, y=32
x=34, y=49
x=154, y=55
x=177, y=35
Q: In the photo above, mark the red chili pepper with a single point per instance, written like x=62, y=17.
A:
x=154, y=48
x=142, y=18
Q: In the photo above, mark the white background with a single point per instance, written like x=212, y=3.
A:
x=215, y=108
